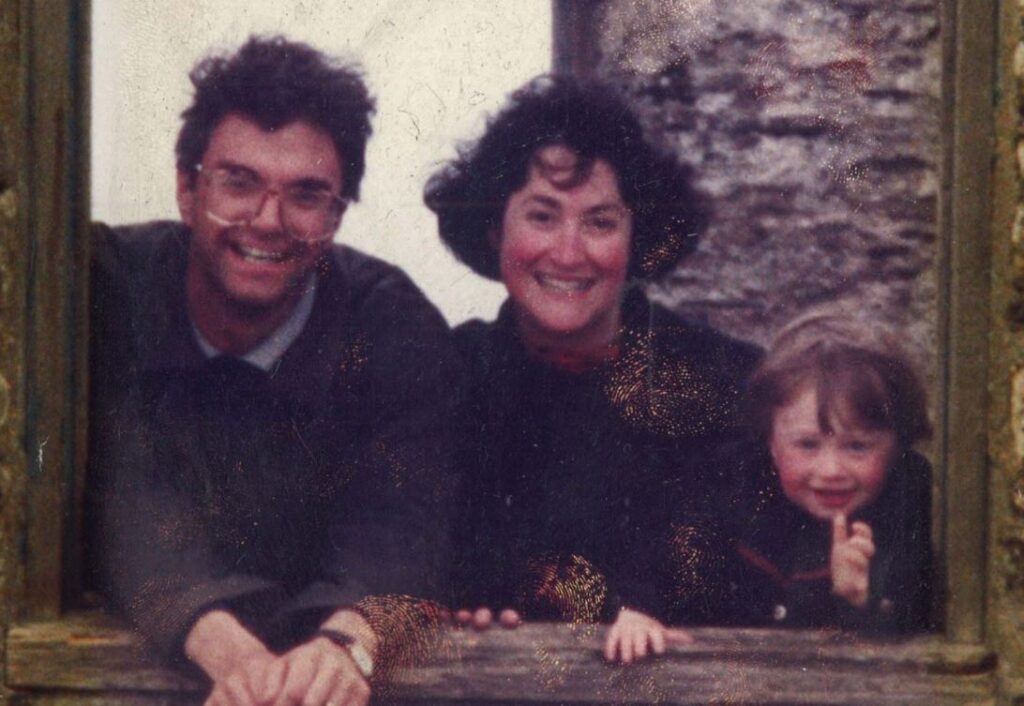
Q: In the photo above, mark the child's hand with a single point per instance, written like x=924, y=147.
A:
x=851, y=560
x=633, y=634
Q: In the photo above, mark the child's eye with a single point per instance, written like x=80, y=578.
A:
x=807, y=443
x=859, y=446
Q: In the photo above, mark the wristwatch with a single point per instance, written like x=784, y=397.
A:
x=358, y=653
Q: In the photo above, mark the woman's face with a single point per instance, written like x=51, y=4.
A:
x=564, y=251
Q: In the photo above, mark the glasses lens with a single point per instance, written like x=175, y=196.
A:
x=311, y=219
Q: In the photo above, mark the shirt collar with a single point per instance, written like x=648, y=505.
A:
x=267, y=353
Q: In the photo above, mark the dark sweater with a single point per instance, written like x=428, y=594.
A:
x=282, y=495
x=571, y=478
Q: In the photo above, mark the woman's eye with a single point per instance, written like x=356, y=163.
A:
x=601, y=224
x=540, y=217
x=858, y=447
x=807, y=444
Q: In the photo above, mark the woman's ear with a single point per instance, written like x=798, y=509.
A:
x=186, y=196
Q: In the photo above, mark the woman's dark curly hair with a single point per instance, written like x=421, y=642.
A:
x=273, y=82
x=469, y=194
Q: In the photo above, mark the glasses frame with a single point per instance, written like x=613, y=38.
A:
x=339, y=204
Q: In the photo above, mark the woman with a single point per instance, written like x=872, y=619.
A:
x=589, y=409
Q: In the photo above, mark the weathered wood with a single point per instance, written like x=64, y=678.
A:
x=541, y=663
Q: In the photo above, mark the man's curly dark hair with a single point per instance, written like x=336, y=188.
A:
x=273, y=82
x=469, y=194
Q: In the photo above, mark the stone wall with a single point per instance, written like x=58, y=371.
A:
x=813, y=124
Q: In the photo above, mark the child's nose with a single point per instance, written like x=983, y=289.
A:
x=831, y=465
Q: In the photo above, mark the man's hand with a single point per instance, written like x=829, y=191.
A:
x=851, y=560
x=634, y=635
x=239, y=665
x=319, y=673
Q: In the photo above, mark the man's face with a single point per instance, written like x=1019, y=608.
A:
x=254, y=267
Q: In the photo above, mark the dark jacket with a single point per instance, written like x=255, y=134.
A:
x=782, y=575
x=571, y=477
x=279, y=496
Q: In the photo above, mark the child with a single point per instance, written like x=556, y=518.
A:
x=837, y=532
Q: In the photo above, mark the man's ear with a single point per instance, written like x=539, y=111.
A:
x=186, y=195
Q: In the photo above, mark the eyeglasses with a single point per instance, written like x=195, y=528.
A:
x=237, y=195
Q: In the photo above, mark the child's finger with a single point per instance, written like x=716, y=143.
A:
x=861, y=529
x=863, y=546
x=658, y=642
x=626, y=649
x=611, y=644
x=839, y=533
x=678, y=636
x=640, y=644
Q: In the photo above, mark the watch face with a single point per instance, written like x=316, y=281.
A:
x=362, y=659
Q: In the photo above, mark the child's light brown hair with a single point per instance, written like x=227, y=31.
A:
x=861, y=374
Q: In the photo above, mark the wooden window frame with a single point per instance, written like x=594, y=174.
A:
x=43, y=392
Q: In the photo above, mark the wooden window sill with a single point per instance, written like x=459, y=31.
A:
x=90, y=657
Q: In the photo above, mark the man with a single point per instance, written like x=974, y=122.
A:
x=270, y=410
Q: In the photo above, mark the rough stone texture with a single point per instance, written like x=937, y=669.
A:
x=813, y=125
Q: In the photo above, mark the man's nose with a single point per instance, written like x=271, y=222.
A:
x=269, y=213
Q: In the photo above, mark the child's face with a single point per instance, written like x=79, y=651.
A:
x=827, y=473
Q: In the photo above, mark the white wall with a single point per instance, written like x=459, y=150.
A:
x=436, y=66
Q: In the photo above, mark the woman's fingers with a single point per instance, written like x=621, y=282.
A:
x=482, y=618
x=509, y=618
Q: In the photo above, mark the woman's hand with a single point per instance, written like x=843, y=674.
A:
x=634, y=635
x=851, y=560
x=482, y=618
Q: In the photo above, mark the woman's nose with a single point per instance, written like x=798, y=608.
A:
x=568, y=248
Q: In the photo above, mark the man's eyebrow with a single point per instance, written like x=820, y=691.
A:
x=309, y=182
x=235, y=167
